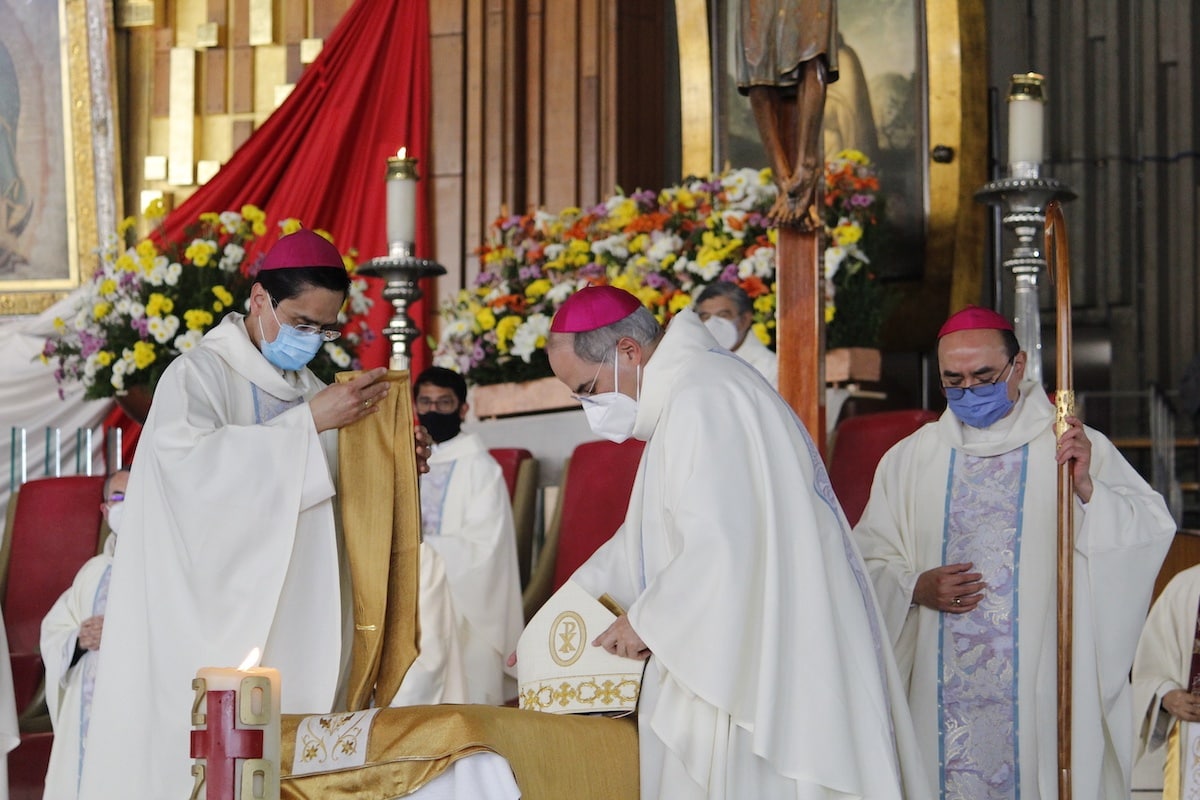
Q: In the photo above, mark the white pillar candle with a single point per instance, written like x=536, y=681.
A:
x=402, y=199
x=1026, y=119
x=236, y=733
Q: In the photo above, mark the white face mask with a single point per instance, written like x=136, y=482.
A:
x=612, y=415
x=724, y=331
x=116, y=516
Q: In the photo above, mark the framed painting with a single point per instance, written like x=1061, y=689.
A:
x=59, y=175
x=907, y=69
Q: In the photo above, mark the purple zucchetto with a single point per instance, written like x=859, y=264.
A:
x=302, y=249
x=594, y=307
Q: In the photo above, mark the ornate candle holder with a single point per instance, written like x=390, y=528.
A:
x=401, y=273
x=1024, y=201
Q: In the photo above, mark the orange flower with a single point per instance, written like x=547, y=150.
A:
x=754, y=286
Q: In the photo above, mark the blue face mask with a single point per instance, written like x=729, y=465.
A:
x=291, y=350
x=981, y=406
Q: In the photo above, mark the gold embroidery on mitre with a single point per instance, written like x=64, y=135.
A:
x=566, y=638
x=599, y=692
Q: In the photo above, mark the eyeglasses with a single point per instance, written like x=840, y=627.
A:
x=113, y=499
x=587, y=393
x=444, y=405
x=958, y=392
x=305, y=328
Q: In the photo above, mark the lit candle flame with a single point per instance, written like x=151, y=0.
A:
x=251, y=661
x=402, y=152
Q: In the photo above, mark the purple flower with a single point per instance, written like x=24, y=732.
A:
x=142, y=326
x=530, y=273
x=656, y=280
x=592, y=270
x=729, y=274
x=861, y=200
x=484, y=278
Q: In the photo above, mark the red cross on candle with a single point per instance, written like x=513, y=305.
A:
x=222, y=743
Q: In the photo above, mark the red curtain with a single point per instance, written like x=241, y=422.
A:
x=321, y=156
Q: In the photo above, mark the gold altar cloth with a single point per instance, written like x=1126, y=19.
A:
x=553, y=756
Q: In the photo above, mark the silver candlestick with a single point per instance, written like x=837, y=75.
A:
x=401, y=273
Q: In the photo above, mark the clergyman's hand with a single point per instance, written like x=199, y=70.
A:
x=339, y=404
x=90, y=631
x=1074, y=446
x=1182, y=705
x=951, y=588
x=620, y=638
x=424, y=448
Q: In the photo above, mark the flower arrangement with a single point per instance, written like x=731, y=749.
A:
x=150, y=301
x=664, y=247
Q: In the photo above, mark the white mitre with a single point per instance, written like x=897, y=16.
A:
x=558, y=669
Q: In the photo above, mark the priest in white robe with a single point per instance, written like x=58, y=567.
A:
x=769, y=674
x=230, y=537
x=960, y=537
x=1166, y=683
x=70, y=642
x=728, y=313
x=466, y=515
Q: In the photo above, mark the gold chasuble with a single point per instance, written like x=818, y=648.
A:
x=381, y=524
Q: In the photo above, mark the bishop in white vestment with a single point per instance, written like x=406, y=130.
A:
x=230, y=533
x=769, y=674
x=960, y=537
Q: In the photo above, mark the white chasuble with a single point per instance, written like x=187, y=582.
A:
x=229, y=543
x=770, y=674
x=1121, y=537
x=1168, y=658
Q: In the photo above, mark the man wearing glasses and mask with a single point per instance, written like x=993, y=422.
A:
x=466, y=516
x=960, y=537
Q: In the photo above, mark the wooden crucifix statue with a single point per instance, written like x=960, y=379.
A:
x=790, y=55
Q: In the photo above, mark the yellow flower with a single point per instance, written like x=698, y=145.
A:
x=125, y=263
x=100, y=310
x=210, y=218
x=847, y=233
x=765, y=177
x=622, y=214
x=60, y=324
x=143, y=354
x=761, y=332
x=648, y=295
x=155, y=209
x=159, y=304
x=499, y=254
x=108, y=286
x=627, y=281
x=124, y=226
x=104, y=358
x=253, y=213
x=638, y=243
x=537, y=288
x=485, y=319
x=290, y=225
x=764, y=304
x=855, y=156
x=146, y=249
x=200, y=252
x=505, y=330
x=324, y=234
x=223, y=294
x=679, y=302
x=197, y=319
x=773, y=235
x=830, y=313
x=715, y=247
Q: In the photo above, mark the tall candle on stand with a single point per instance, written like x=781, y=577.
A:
x=401, y=204
x=1026, y=124
x=236, y=732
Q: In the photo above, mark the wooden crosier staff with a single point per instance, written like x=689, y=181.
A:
x=1064, y=401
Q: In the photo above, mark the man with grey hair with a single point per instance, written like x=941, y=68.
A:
x=767, y=672
x=728, y=313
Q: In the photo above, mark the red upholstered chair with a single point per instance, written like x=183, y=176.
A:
x=520, y=470
x=595, y=491
x=858, y=444
x=53, y=526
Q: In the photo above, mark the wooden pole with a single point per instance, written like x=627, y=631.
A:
x=1064, y=401
x=800, y=337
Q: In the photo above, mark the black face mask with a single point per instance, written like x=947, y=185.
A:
x=442, y=427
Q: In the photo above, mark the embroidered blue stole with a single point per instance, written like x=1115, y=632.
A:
x=977, y=650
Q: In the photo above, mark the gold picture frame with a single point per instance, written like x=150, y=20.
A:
x=943, y=225
x=60, y=185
